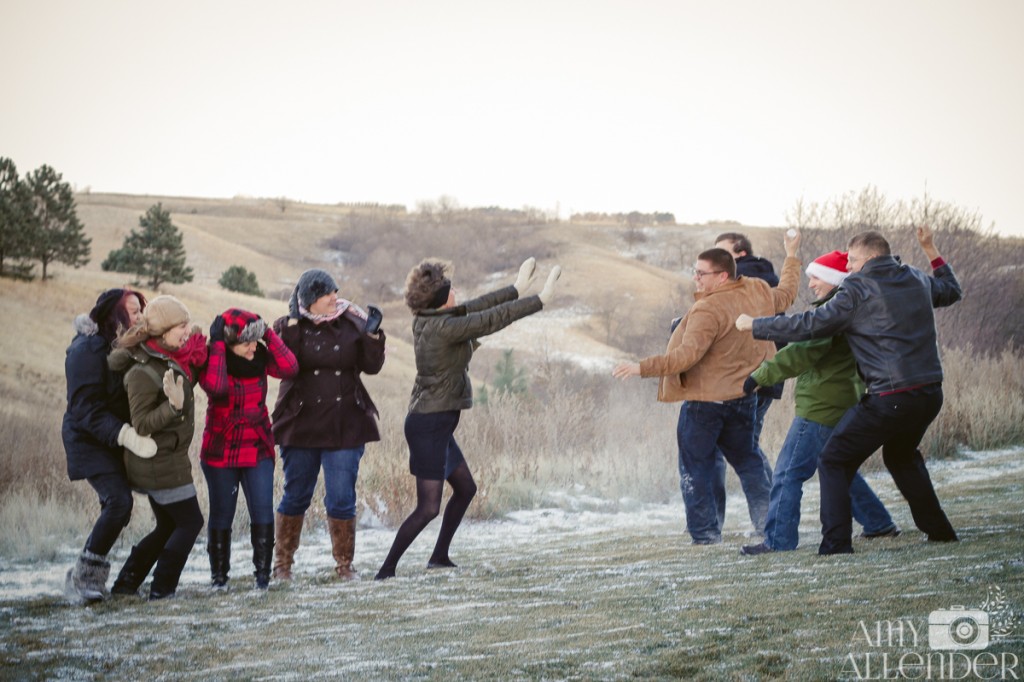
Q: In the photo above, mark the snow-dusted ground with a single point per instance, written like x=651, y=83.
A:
x=577, y=515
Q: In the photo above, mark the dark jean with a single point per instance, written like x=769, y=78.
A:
x=764, y=401
x=257, y=484
x=301, y=469
x=703, y=429
x=433, y=452
x=896, y=423
x=115, y=511
x=796, y=463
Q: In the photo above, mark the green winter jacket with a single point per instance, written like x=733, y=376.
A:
x=827, y=382
x=152, y=415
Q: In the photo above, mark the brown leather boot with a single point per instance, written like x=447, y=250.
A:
x=288, y=532
x=343, y=541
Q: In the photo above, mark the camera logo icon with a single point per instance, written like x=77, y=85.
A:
x=958, y=628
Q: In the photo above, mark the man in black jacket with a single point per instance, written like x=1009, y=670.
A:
x=885, y=309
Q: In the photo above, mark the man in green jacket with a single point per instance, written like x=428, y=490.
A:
x=827, y=385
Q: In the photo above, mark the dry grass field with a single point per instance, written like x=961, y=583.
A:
x=577, y=565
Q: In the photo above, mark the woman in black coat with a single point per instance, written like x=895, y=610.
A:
x=96, y=427
x=324, y=416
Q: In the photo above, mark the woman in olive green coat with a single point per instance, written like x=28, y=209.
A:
x=161, y=358
x=444, y=337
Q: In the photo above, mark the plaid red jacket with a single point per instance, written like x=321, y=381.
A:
x=237, y=423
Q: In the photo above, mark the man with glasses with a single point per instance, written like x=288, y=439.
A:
x=885, y=310
x=705, y=365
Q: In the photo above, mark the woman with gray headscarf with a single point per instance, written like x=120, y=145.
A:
x=324, y=416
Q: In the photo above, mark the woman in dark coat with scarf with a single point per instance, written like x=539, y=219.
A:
x=324, y=416
x=238, y=446
x=96, y=427
x=444, y=337
x=161, y=358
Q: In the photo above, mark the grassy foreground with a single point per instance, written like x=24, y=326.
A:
x=562, y=595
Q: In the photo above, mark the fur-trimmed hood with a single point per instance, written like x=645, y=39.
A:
x=85, y=326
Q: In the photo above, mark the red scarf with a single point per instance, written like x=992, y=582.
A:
x=189, y=356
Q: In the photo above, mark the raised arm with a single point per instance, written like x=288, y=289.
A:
x=282, y=363
x=945, y=288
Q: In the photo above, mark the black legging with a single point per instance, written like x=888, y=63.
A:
x=177, y=526
x=428, y=505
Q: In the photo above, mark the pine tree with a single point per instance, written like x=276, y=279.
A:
x=55, y=231
x=509, y=379
x=14, y=223
x=237, y=278
x=155, y=251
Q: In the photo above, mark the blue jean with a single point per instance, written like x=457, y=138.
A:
x=703, y=429
x=258, y=485
x=764, y=401
x=115, y=511
x=797, y=462
x=301, y=468
x=896, y=423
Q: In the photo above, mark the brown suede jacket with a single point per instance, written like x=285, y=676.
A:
x=707, y=359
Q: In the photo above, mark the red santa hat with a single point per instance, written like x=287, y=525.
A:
x=829, y=268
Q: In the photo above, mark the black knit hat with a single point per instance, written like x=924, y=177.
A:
x=312, y=285
x=105, y=305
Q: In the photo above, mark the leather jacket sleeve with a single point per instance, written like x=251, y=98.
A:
x=830, y=319
x=945, y=287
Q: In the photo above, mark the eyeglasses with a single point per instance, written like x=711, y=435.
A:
x=698, y=273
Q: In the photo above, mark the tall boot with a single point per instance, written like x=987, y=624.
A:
x=87, y=579
x=136, y=567
x=167, y=574
x=343, y=543
x=218, y=546
x=289, y=530
x=262, y=537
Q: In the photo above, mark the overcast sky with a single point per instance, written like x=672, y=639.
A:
x=708, y=109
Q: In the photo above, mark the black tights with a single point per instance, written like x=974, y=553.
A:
x=428, y=505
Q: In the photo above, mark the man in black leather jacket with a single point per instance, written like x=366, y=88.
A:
x=885, y=309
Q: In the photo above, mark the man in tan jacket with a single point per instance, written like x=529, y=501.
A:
x=705, y=365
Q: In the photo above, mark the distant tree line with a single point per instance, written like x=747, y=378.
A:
x=38, y=222
x=632, y=219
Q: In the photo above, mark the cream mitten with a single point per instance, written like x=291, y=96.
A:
x=141, y=446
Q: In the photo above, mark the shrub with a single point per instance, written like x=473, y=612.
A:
x=237, y=278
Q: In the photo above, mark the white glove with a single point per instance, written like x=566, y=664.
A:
x=526, y=273
x=142, y=446
x=174, y=390
x=549, y=286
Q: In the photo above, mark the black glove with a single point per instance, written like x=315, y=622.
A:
x=750, y=386
x=373, y=319
x=217, y=329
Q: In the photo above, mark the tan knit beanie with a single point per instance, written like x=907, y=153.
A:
x=164, y=313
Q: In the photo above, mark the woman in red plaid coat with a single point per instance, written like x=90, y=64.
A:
x=238, y=445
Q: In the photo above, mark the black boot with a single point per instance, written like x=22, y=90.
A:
x=262, y=553
x=167, y=573
x=136, y=568
x=218, y=545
